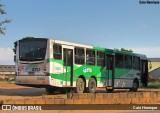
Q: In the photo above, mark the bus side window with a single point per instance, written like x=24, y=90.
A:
x=100, y=58
x=79, y=55
x=57, y=51
x=90, y=57
x=136, y=63
x=128, y=61
x=119, y=61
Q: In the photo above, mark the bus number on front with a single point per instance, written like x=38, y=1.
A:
x=40, y=78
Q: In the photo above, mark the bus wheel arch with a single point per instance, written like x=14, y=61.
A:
x=80, y=84
x=135, y=85
x=92, y=84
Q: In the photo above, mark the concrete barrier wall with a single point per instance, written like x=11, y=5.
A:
x=86, y=98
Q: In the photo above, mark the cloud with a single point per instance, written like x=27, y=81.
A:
x=6, y=56
x=151, y=52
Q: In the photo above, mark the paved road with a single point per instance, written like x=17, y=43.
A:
x=22, y=91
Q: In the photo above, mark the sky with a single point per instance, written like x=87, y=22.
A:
x=105, y=23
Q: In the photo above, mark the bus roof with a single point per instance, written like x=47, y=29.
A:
x=32, y=38
x=133, y=54
x=108, y=51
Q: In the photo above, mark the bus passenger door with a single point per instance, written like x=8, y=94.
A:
x=68, y=66
x=144, y=72
x=110, y=71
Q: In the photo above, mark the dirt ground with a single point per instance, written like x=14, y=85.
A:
x=12, y=91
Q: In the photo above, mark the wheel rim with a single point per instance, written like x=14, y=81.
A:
x=92, y=85
x=135, y=85
x=80, y=87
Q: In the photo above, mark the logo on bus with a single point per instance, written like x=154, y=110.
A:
x=27, y=69
x=35, y=69
x=85, y=70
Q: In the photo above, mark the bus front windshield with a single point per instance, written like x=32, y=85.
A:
x=32, y=50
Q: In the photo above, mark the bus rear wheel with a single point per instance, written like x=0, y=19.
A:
x=80, y=86
x=92, y=85
x=135, y=86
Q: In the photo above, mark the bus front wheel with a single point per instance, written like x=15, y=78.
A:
x=135, y=86
x=80, y=86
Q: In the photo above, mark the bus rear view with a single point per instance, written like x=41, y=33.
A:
x=60, y=65
x=31, y=62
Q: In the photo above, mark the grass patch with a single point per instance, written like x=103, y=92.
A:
x=155, y=84
x=7, y=82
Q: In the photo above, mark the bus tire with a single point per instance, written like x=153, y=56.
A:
x=109, y=90
x=80, y=86
x=92, y=85
x=50, y=90
x=135, y=86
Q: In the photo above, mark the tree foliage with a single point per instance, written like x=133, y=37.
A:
x=14, y=50
x=126, y=50
x=2, y=22
x=123, y=49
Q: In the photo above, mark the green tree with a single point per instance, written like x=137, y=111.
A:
x=2, y=22
x=126, y=50
x=14, y=50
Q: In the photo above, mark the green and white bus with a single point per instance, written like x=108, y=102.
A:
x=55, y=64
